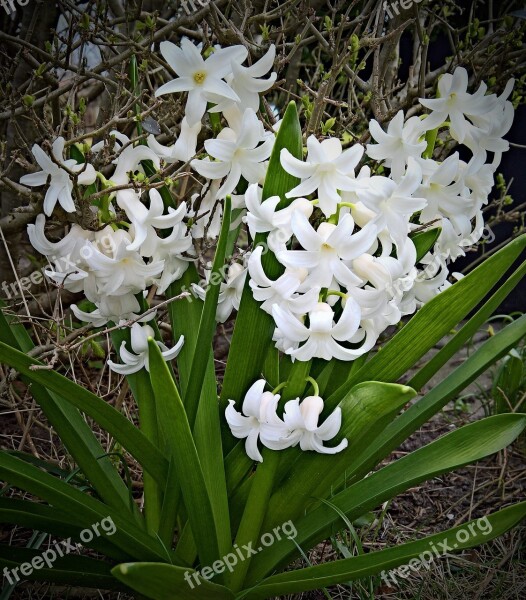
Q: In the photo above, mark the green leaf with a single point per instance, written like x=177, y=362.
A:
x=463, y=446
x=468, y=330
x=176, y=429
x=207, y=324
x=75, y=433
x=166, y=582
x=78, y=505
x=424, y=241
x=41, y=517
x=197, y=322
x=79, y=571
x=366, y=411
x=474, y=533
x=150, y=458
x=432, y=322
x=508, y=382
x=448, y=389
x=253, y=329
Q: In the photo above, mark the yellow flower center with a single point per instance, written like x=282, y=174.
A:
x=199, y=77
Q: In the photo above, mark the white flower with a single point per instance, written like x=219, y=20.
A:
x=118, y=270
x=127, y=163
x=259, y=419
x=262, y=216
x=398, y=143
x=139, y=358
x=322, y=335
x=302, y=420
x=442, y=188
x=119, y=141
x=202, y=79
x=145, y=237
x=246, y=83
x=118, y=308
x=327, y=169
x=61, y=185
x=283, y=291
x=325, y=250
x=488, y=133
x=69, y=246
x=455, y=102
x=170, y=251
x=183, y=149
x=230, y=291
x=239, y=154
x=394, y=203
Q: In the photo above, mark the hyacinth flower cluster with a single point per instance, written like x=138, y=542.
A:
x=259, y=421
x=347, y=239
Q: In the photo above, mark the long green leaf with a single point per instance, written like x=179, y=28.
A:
x=463, y=446
x=422, y=410
x=196, y=321
x=207, y=324
x=166, y=582
x=468, y=330
x=76, y=504
x=176, y=429
x=475, y=532
x=79, y=571
x=74, y=432
x=150, y=458
x=41, y=517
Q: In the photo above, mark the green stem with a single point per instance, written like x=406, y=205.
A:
x=314, y=384
x=254, y=514
x=431, y=138
x=143, y=393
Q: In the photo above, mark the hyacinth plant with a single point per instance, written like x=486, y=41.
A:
x=342, y=245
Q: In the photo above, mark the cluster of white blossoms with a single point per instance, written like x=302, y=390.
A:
x=346, y=240
x=259, y=421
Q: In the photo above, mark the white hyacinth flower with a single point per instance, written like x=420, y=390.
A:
x=230, y=292
x=238, y=153
x=398, y=143
x=322, y=335
x=258, y=419
x=247, y=83
x=118, y=270
x=325, y=250
x=327, y=169
x=302, y=420
x=394, y=202
x=202, y=79
x=262, y=216
x=183, y=149
x=455, y=102
x=145, y=237
x=61, y=184
x=282, y=291
x=132, y=362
